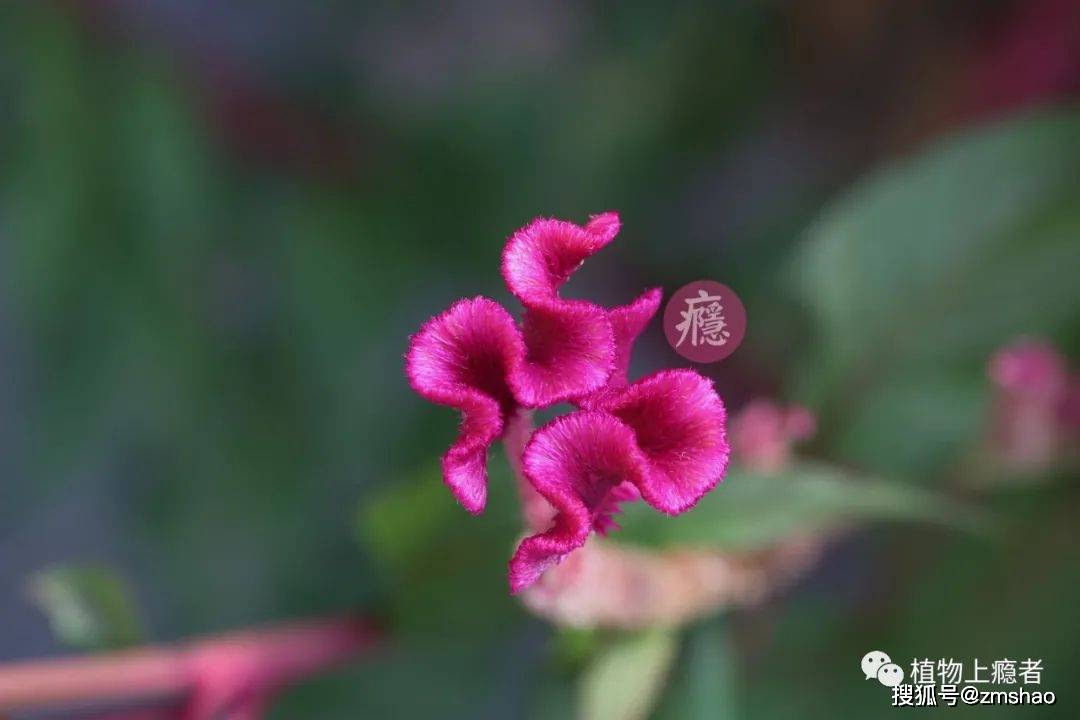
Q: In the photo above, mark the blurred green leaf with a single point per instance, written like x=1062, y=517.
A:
x=703, y=683
x=753, y=508
x=573, y=647
x=436, y=677
x=398, y=524
x=87, y=607
x=555, y=697
x=625, y=681
x=938, y=412
x=887, y=263
x=445, y=570
x=916, y=276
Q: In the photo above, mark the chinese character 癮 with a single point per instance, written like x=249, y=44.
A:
x=703, y=321
x=1003, y=672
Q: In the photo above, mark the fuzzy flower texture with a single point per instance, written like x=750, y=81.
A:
x=660, y=439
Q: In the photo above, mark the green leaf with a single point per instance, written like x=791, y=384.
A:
x=573, y=647
x=889, y=256
x=934, y=413
x=703, y=683
x=751, y=509
x=625, y=681
x=87, y=607
x=925, y=268
x=401, y=521
x=445, y=572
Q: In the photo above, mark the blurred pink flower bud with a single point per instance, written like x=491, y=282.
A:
x=763, y=434
x=1033, y=403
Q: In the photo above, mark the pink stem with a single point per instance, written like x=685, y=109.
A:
x=538, y=511
x=519, y=428
x=213, y=675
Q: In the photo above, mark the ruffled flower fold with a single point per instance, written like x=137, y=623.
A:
x=570, y=343
x=464, y=359
x=663, y=436
x=627, y=322
x=574, y=462
x=569, y=351
x=679, y=424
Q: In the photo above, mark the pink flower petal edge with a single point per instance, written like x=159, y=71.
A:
x=679, y=422
x=462, y=359
x=570, y=343
x=540, y=257
x=627, y=323
x=574, y=462
x=664, y=435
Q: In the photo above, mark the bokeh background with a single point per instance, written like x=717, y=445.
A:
x=219, y=225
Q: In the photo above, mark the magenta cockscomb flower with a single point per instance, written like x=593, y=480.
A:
x=660, y=439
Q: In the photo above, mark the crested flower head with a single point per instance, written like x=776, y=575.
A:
x=661, y=439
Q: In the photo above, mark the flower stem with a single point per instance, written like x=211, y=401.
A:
x=537, y=512
x=209, y=676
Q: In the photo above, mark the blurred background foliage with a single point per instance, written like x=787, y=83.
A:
x=219, y=225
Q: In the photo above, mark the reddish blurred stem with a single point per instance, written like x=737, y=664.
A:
x=537, y=511
x=228, y=674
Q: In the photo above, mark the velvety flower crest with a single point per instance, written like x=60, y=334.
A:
x=661, y=439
